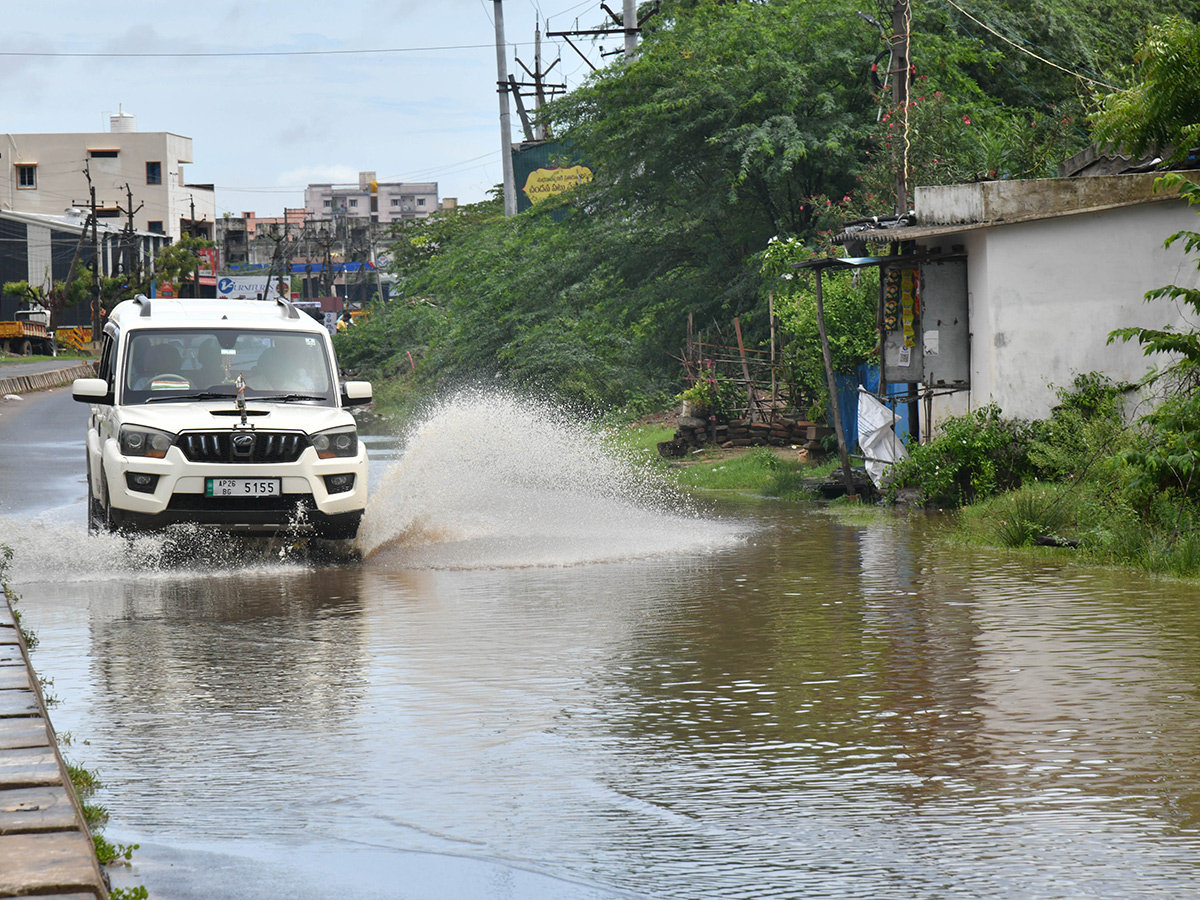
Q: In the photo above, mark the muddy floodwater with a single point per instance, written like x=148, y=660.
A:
x=538, y=683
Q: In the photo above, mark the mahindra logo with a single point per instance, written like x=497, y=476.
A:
x=243, y=444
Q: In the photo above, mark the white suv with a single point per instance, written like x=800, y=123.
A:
x=226, y=413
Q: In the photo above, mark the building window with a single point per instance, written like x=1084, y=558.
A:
x=103, y=154
x=155, y=227
x=328, y=203
x=395, y=201
x=27, y=177
x=420, y=201
x=353, y=204
x=153, y=173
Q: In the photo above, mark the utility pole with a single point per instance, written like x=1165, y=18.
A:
x=629, y=26
x=502, y=87
x=629, y=15
x=534, y=132
x=539, y=90
x=133, y=262
x=96, y=324
x=901, y=22
x=375, y=261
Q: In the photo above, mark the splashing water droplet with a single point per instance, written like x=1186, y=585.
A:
x=492, y=480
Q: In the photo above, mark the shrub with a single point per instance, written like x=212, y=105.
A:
x=1085, y=432
x=976, y=455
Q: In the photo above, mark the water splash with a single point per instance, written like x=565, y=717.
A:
x=492, y=480
x=64, y=552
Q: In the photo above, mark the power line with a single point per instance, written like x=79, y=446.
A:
x=54, y=54
x=1017, y=46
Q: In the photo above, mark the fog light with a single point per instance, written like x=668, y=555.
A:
x=141, y=482
x=339, y=484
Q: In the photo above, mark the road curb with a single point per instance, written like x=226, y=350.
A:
x=46, y=848
x=41, y=381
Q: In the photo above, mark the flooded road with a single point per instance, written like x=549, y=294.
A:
x=538, y=687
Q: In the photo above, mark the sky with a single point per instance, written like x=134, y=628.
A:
x=276, y=96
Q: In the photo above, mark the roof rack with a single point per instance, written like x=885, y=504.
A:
x=144, y=302
x=289, y=311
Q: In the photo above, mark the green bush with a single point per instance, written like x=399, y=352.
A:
x=975, y=456
x=1085, y=433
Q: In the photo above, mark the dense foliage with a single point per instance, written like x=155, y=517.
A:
x=1161, y=110
x=737, y=122
x=849, y=300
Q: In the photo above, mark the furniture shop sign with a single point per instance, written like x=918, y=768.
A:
x=255, y=287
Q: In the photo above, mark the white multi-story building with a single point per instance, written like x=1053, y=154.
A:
x=143, y=171
x=379, y=202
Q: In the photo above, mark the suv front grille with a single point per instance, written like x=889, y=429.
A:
x=242, y=446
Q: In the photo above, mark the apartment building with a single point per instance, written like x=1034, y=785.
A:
x=379, y=202
x=48, y=174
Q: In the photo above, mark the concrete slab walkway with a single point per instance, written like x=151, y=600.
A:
x=45, y=846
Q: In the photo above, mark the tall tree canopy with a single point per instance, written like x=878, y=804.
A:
x=738, y=121
x=1161, y=110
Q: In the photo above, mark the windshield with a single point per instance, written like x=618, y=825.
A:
x=188, y=363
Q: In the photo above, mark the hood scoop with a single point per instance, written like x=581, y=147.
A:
x=250, y=413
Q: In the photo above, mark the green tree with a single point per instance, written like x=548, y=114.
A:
x=850, y=300
x=1161, y=111
x=1171, y=460
x=737, y=122
x=177, y=262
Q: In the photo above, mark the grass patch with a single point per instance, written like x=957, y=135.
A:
x=38, y=357
x=760, y=471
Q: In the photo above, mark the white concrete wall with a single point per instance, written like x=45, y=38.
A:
x=1044, y=296
x=61, y=158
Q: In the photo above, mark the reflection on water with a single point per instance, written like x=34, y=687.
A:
x=540, y=685
x=826, y=711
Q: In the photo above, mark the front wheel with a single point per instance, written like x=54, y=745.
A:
x=95, y=509
x=109, y=519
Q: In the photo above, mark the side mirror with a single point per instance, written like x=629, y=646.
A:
x=356, y=393
x=91, y=390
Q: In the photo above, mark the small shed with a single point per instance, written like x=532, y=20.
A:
x=1014, y=286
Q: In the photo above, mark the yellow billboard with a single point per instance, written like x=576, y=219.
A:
x=544, y=183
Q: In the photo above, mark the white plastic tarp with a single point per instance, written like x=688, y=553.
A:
x=876, y=437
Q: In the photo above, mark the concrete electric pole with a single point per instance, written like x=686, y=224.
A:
x=629, y=21
x=502, y=88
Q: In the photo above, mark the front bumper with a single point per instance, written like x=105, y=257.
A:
x=305, y=501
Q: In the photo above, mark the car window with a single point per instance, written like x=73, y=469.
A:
x=160, y=364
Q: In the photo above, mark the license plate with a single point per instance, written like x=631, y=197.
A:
x=241, y=487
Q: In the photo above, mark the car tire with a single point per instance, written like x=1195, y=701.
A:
x=95, y=509
x=112, y=520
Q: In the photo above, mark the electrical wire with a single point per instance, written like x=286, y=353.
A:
x=55, y=54
x=1016, y=46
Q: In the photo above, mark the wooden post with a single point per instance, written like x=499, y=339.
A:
x=771, y=323
x=843, y=454
x=737, y=327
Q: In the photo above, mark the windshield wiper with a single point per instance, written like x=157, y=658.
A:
x=286, y=398
x=202, y=395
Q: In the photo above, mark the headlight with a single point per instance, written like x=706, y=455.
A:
x=137, y=441
x=338, y=442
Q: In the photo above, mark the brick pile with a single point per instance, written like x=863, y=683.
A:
x=780, y=432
